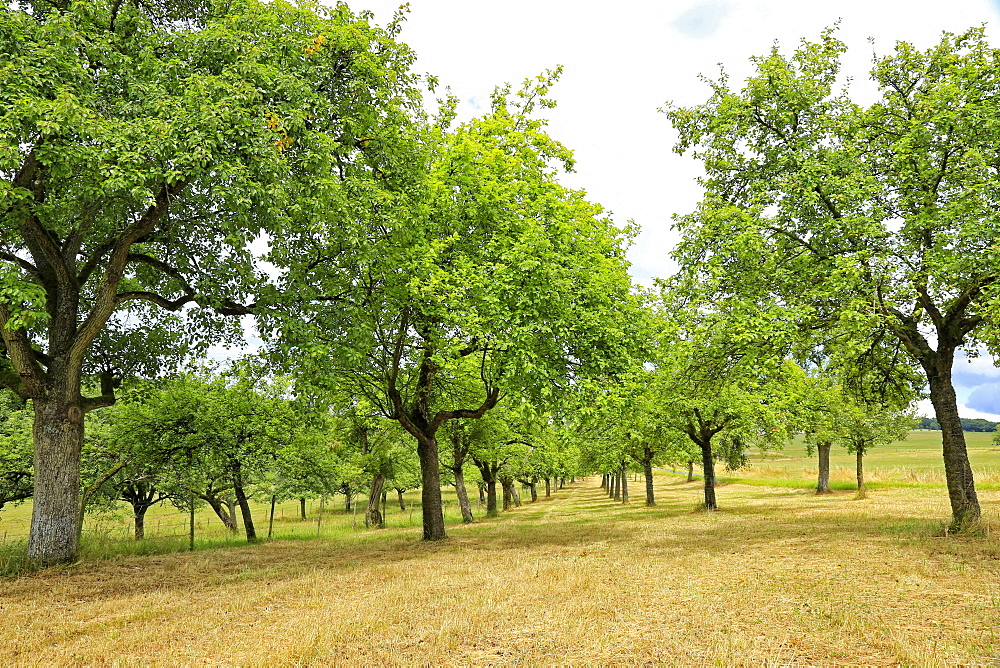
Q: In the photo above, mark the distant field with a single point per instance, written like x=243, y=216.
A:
x=915, y=461
x=776, y=577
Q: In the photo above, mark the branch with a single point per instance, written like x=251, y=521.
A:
x=107, y=293
x=492, y=397
x=108, y=385
x=23, y=264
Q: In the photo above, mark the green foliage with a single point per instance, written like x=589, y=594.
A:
x=874, y=228
x=488, y=268
x=15, y=450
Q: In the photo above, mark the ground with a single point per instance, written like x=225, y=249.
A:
x=778, y=576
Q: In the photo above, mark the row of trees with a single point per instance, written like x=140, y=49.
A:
x=223, y=439
x=146, y=146
x=437, y=272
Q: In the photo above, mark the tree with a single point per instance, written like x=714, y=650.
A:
x=142, y=148
x=489, y=271
x=15, y=450
x=722, y=381
x=876, y=221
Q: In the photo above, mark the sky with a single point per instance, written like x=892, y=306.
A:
x=624, y=60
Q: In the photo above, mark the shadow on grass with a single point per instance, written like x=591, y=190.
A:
x=579, y=517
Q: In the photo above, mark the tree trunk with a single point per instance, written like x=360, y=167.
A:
x=231, y=504
x=860, y=455
x=490, y=484
x=482, y=495
x=533, y=488
x=647, y=469
x=708, y=464
x=463, y=495
x=548, y=488
x=604, y=481
x=302, y=507
x=139, y=516
x=241, y=499
x=373, y=516
x=624, y=484
x=958, y=472
x=508, y=495
x=430, y=491
x=57, y=435
x=348, y=499
x=690, y=470
x=616, y=483
x=823, y=484
x=402, y=503
x=220, y=510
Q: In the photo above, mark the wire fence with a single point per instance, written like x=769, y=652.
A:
x=164, y=521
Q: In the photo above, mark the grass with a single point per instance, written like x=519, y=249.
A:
x=913, y=462
x=777, y=577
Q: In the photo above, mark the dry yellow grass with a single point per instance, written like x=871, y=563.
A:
x=778, y=577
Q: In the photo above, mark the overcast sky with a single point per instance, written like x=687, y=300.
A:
x=623, y=60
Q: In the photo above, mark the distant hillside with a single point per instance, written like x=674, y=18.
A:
x=968, y=424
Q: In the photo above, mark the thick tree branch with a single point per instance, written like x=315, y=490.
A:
x=107, y=293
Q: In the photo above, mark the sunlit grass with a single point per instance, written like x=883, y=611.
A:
x=776, y=577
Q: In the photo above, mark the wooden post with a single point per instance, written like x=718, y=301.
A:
x=270, y=524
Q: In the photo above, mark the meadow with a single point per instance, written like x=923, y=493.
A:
x=777, y=577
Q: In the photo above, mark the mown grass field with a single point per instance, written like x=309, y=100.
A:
x=776, y=577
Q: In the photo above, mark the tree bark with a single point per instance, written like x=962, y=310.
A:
x=402, y=503
x=823, y=483
x=533, y=488
x=624, y=484
x=965, y=508
x=430, y=491
x=616, y=481
x=548, y=487
x=373, y=516
x=302, y=507
x=463, y=496
x=58, y=437
x=690, y=470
